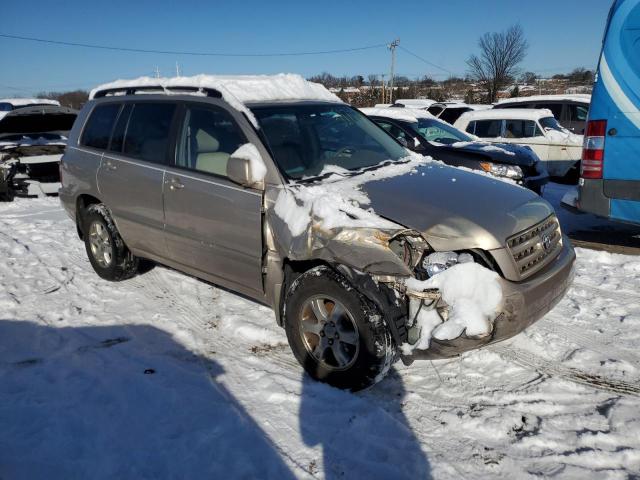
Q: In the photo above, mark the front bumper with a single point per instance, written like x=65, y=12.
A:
x=524, y=303
x=536, y=183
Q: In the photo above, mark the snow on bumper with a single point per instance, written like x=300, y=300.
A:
x=523, y=303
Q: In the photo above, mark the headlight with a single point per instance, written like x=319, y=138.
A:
x=439, y=261
x=500, y=170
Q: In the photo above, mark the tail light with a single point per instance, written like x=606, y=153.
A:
x=593, y=149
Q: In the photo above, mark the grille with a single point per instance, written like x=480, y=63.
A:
x=536, y=247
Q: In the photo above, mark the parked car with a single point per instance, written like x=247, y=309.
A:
x=558, y=149
x=32, y=140
x=423, y=133
x=451, y=111
x=274, y=188
x=570, y=110
x=610, y=177
x=9, y=104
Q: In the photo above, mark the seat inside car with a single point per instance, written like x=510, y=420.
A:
x=209, y=158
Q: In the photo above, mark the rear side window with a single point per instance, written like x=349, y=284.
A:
x=488, y=128
x=435, y=110
x=147, y=134
x=556, y=109
x=450, y=115
x=578, y=113
x=522, y=129
x=117, y=139
x=98, y=129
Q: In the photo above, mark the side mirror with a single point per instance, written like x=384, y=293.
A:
x=246, y=167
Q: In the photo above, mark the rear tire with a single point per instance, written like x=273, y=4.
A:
x=107, y=252
x=335, y=333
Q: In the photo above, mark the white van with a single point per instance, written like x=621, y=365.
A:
x=559, y=149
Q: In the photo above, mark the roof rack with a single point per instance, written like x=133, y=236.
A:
x=210, y=92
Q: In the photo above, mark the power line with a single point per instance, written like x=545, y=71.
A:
x=201, y=54
x=425, y=60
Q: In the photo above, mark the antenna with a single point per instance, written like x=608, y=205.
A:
x=177, y=70
x=157, y=70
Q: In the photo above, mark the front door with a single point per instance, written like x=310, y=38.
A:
x=213, y=226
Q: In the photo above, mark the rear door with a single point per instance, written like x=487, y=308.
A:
x=213, y=225
x=130, y=178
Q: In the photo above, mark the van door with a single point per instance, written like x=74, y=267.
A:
x=130, y=178
x=213, y=226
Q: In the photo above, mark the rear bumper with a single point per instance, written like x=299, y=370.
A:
x=524, y=303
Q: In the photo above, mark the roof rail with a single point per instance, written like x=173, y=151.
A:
x=132, y=90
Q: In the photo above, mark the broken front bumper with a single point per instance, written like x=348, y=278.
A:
x=524, y=303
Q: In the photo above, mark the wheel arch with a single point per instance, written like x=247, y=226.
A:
x=82, y=203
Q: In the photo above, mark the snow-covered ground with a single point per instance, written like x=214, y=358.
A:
x=164, y=376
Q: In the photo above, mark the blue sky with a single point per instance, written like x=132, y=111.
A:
x=563, y=34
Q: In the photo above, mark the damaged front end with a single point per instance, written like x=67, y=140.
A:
x=390, y=268
x=32, y=142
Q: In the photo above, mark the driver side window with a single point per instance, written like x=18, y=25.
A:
x=393, y=130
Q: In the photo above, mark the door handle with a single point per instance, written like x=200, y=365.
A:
x=110, y=165
x=175, y=184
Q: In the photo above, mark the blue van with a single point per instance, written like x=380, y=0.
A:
x=610, y=171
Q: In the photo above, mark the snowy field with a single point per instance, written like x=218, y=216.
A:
x=164, y=376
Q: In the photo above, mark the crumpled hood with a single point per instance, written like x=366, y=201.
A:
x=499, y=152
x=456, y=209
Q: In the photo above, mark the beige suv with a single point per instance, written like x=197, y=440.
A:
x=274, y=188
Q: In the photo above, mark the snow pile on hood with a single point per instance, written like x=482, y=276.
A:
x=487, y=147
x=238, y=90
x=474, y=296
x=406, y=114
x=249, y=152
x=338, y=201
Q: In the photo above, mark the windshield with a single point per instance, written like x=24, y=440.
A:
x=435, y=131
x=550, y=123
x=304, y=139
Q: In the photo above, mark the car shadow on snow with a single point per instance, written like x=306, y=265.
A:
x=361, y=436
x=124, y=401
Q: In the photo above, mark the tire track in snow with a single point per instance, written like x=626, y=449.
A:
x=530, y=360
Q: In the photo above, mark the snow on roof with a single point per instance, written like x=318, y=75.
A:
x=507, y=114
x=407, y=114
x=238, y=90
x=21, y=102
x=415, y=102
x=586, y=98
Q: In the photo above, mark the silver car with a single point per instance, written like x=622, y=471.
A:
x=272, y=187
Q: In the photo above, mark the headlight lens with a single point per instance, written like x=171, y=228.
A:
x=500, y=170
x=439, y=261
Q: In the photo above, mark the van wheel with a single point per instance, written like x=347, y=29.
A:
x=109, y=256
x=335, y=333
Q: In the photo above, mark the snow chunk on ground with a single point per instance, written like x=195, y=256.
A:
x=474, y=296
x=249, y=152
x=237, y=90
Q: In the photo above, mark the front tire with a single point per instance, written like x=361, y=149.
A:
x=335, y=333
x=107, y=252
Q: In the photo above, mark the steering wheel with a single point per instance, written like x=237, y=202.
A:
x=343, y=151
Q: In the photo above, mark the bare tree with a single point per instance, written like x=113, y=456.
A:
x=500, y=55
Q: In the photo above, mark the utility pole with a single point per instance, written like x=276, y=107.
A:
x=392, y=47
x=384, y=93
